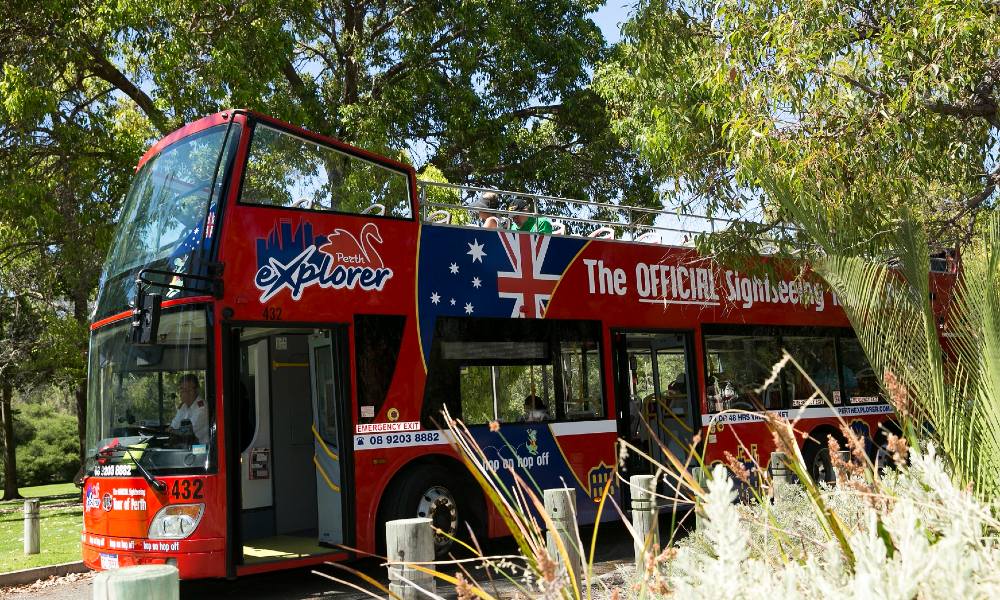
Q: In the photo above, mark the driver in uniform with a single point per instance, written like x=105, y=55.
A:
x=193, y=409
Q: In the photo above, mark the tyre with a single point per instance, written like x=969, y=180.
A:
x=817, y=459
x=452, y=504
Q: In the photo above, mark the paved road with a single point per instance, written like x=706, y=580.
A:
x=614, y=549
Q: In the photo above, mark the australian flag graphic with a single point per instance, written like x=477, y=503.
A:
x=488, y=273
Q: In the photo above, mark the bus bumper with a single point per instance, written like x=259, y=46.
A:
x=190, y=564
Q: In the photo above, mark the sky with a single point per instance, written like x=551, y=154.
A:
x=610, y=17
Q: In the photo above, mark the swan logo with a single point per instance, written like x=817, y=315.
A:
x=296, y=259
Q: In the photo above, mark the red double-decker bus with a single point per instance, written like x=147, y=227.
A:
x=283, y=317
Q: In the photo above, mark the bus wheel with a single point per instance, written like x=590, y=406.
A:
x=432, y=492
x=818, y=462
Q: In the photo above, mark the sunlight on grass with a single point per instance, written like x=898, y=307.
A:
x=60, y=538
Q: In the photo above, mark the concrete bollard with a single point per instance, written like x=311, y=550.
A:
x=410, y=541
x=645, y=521
x=698, y=474
x=845, y=459
x=148, y=582
x=778, y=467
x=560, y=505
x=32, y=542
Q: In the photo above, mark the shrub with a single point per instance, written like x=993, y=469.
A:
x=47, y=445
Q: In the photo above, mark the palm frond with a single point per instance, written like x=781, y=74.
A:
x=951, y=388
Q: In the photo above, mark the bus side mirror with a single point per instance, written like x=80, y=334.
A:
x=146, y=318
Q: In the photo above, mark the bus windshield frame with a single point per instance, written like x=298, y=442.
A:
x=168, y=217
x=152, y=404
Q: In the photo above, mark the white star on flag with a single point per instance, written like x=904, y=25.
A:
x=435, y=298
x=477, y=282
x=452, y=302
x=468, y=308
x=453, y=268
x=476, y=251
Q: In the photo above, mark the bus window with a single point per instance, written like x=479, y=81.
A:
x=744, y=363
x=514, y=371
x=477, y=395
x=510, y=393
x=524, y=394
x=581, y=380
x=861, y=386
x=817, y=355
x=377, y=340
x=292, y=172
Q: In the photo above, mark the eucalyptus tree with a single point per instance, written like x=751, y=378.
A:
x=487, y=91
x=848, y=112
x=872, y=127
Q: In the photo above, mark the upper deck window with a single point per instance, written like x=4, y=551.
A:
x=292, y=172
x=168, y=217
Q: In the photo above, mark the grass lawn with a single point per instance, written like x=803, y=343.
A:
x=60, y=537
x=52, y=489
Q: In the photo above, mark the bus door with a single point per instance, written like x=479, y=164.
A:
x=656, y=375
x=326, y=351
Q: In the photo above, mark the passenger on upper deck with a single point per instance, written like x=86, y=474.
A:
x=485, y=206
x=532, y=223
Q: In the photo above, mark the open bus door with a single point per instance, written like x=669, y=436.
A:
x=327, y=433
x=294, y=421
x=657, y=392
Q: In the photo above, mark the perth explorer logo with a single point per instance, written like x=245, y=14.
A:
x=295, y=260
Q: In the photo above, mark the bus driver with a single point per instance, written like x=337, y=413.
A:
x=192, y=414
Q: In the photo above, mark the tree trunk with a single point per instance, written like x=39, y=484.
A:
x=81, y=315
x=9, y=447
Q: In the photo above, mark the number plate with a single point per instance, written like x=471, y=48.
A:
x=109, y=561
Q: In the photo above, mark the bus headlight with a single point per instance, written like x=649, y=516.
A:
x=176, y=521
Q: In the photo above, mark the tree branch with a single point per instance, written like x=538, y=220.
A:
x=110, y=73
x=987, y=109
x=308, y=99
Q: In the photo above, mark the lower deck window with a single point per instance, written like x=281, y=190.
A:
x=515, y=371
x=829, y=366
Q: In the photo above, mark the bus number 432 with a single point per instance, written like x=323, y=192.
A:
x=186, y=489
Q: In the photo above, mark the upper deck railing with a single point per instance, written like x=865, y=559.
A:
x=444, y=203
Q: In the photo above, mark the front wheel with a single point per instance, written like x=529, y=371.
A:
x=434, y=493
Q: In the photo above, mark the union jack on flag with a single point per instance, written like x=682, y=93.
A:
x=472, y=272
x=526, y=284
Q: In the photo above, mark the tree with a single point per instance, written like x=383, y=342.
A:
x=18, y=339
x=495, y=92
x=844, y=112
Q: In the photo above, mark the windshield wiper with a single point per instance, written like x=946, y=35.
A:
x=153, y=481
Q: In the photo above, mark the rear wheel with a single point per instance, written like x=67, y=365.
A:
x=432, y=492
x=818, y=461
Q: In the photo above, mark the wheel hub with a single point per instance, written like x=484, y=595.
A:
x=438, y=504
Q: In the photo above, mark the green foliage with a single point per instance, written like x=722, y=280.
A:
x=494, y=92
x=847, y=113
x=892, y=313
x=47, y=446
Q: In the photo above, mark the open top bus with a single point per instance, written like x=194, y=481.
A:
x=283, y=317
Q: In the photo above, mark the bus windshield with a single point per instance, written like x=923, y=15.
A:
x=151, y=403
x=169, y=212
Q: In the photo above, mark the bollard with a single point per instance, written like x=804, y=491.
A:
x=148, y=582
x=780, y=473
x=698, y=474
x=645, y=521
x=560, y=505
x=32, y=543
x=845, y=459
x=409, y=541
